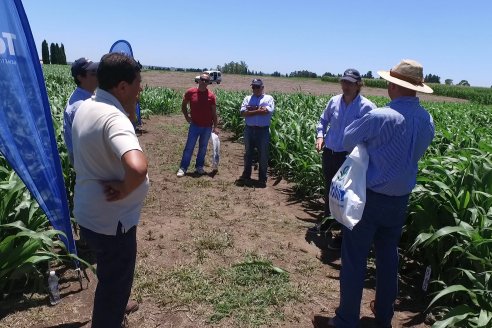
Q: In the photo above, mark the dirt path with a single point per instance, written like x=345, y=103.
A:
x=204, y=223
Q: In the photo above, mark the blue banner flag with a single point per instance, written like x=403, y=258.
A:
x=27, y=138
x=124, y=47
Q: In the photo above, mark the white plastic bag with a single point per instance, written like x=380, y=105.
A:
x=348, y=188
x=216, y=151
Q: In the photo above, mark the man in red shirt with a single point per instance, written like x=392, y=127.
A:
x=202, y=118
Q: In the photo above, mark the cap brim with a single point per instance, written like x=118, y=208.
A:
x=348, y=78
x=424, y=88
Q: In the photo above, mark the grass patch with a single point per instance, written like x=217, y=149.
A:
x=251, y=293
x=213, y=240
x=197, y=183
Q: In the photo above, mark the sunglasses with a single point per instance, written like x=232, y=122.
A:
x=204, y=80
x=256, y=87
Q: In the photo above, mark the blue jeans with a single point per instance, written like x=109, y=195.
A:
x=381, y=224
x=194, y=133
x=259, y=138
x=115, y=256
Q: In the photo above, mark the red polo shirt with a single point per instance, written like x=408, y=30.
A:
x=201, y=103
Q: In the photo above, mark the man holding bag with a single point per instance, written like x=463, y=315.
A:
x=396, y=137
x=340, y=111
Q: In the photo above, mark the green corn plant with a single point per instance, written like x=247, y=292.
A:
x=471, y=301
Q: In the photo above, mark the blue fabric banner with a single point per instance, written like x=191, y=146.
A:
x=27, y=138
x=124, y=47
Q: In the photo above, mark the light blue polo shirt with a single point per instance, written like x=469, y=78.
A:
x=337, y=115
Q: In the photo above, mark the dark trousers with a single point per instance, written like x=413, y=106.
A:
x=115, y=256
x=259, y=138
x=381, y=224
x=331, y=163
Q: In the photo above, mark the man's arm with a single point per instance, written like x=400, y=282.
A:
x=135, y=166
x=214, y=119
x=184, y=109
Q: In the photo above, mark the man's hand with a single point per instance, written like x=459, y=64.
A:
x=319, y=144
x=135, y=166
x=114, y=190
x=263, y=110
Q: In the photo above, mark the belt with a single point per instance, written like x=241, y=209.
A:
x=331, y=151
x=257, y=127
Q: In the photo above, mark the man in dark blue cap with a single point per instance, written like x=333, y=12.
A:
x=340, y=111
x=84, y=73
x=257, y=110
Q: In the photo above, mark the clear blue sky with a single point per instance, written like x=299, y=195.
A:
x=452, y=39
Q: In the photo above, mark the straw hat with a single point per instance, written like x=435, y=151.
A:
x=408, y=74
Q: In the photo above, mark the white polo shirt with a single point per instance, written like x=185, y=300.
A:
x=101, y=134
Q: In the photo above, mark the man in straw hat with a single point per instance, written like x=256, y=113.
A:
x=396, y=137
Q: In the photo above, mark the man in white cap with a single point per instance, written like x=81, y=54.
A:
x=396, y=137
x=84, y=73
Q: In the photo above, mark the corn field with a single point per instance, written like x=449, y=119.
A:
x=449, y=226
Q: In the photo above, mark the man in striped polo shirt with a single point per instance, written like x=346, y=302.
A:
x=396, y=137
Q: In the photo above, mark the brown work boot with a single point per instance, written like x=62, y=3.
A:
x=131, y=306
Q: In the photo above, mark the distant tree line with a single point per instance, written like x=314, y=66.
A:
x=54, y=55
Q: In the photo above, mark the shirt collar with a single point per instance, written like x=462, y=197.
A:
x=107, y=98
x=403, y=99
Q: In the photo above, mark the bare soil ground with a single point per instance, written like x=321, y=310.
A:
x=203, y=223
x=183, y=80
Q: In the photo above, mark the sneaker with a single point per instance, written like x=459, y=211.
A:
x=200, y=171
x=181, y=173
x=261, y=184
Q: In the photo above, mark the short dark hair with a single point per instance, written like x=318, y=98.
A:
x=115, y=68
x=76, y=80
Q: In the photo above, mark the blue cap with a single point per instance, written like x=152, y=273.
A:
x=257, y=82
x=83, y=65
x=351, y=75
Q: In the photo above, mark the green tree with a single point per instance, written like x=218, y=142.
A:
x=368, y=75
x=448, y=82
x=235, y=68
x=45, y=52
x=63, y=57
x=430, y=78
x=304, y=73
x=464, y=83
x=55, y=53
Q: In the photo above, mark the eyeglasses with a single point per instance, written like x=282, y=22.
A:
x=256, y=87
